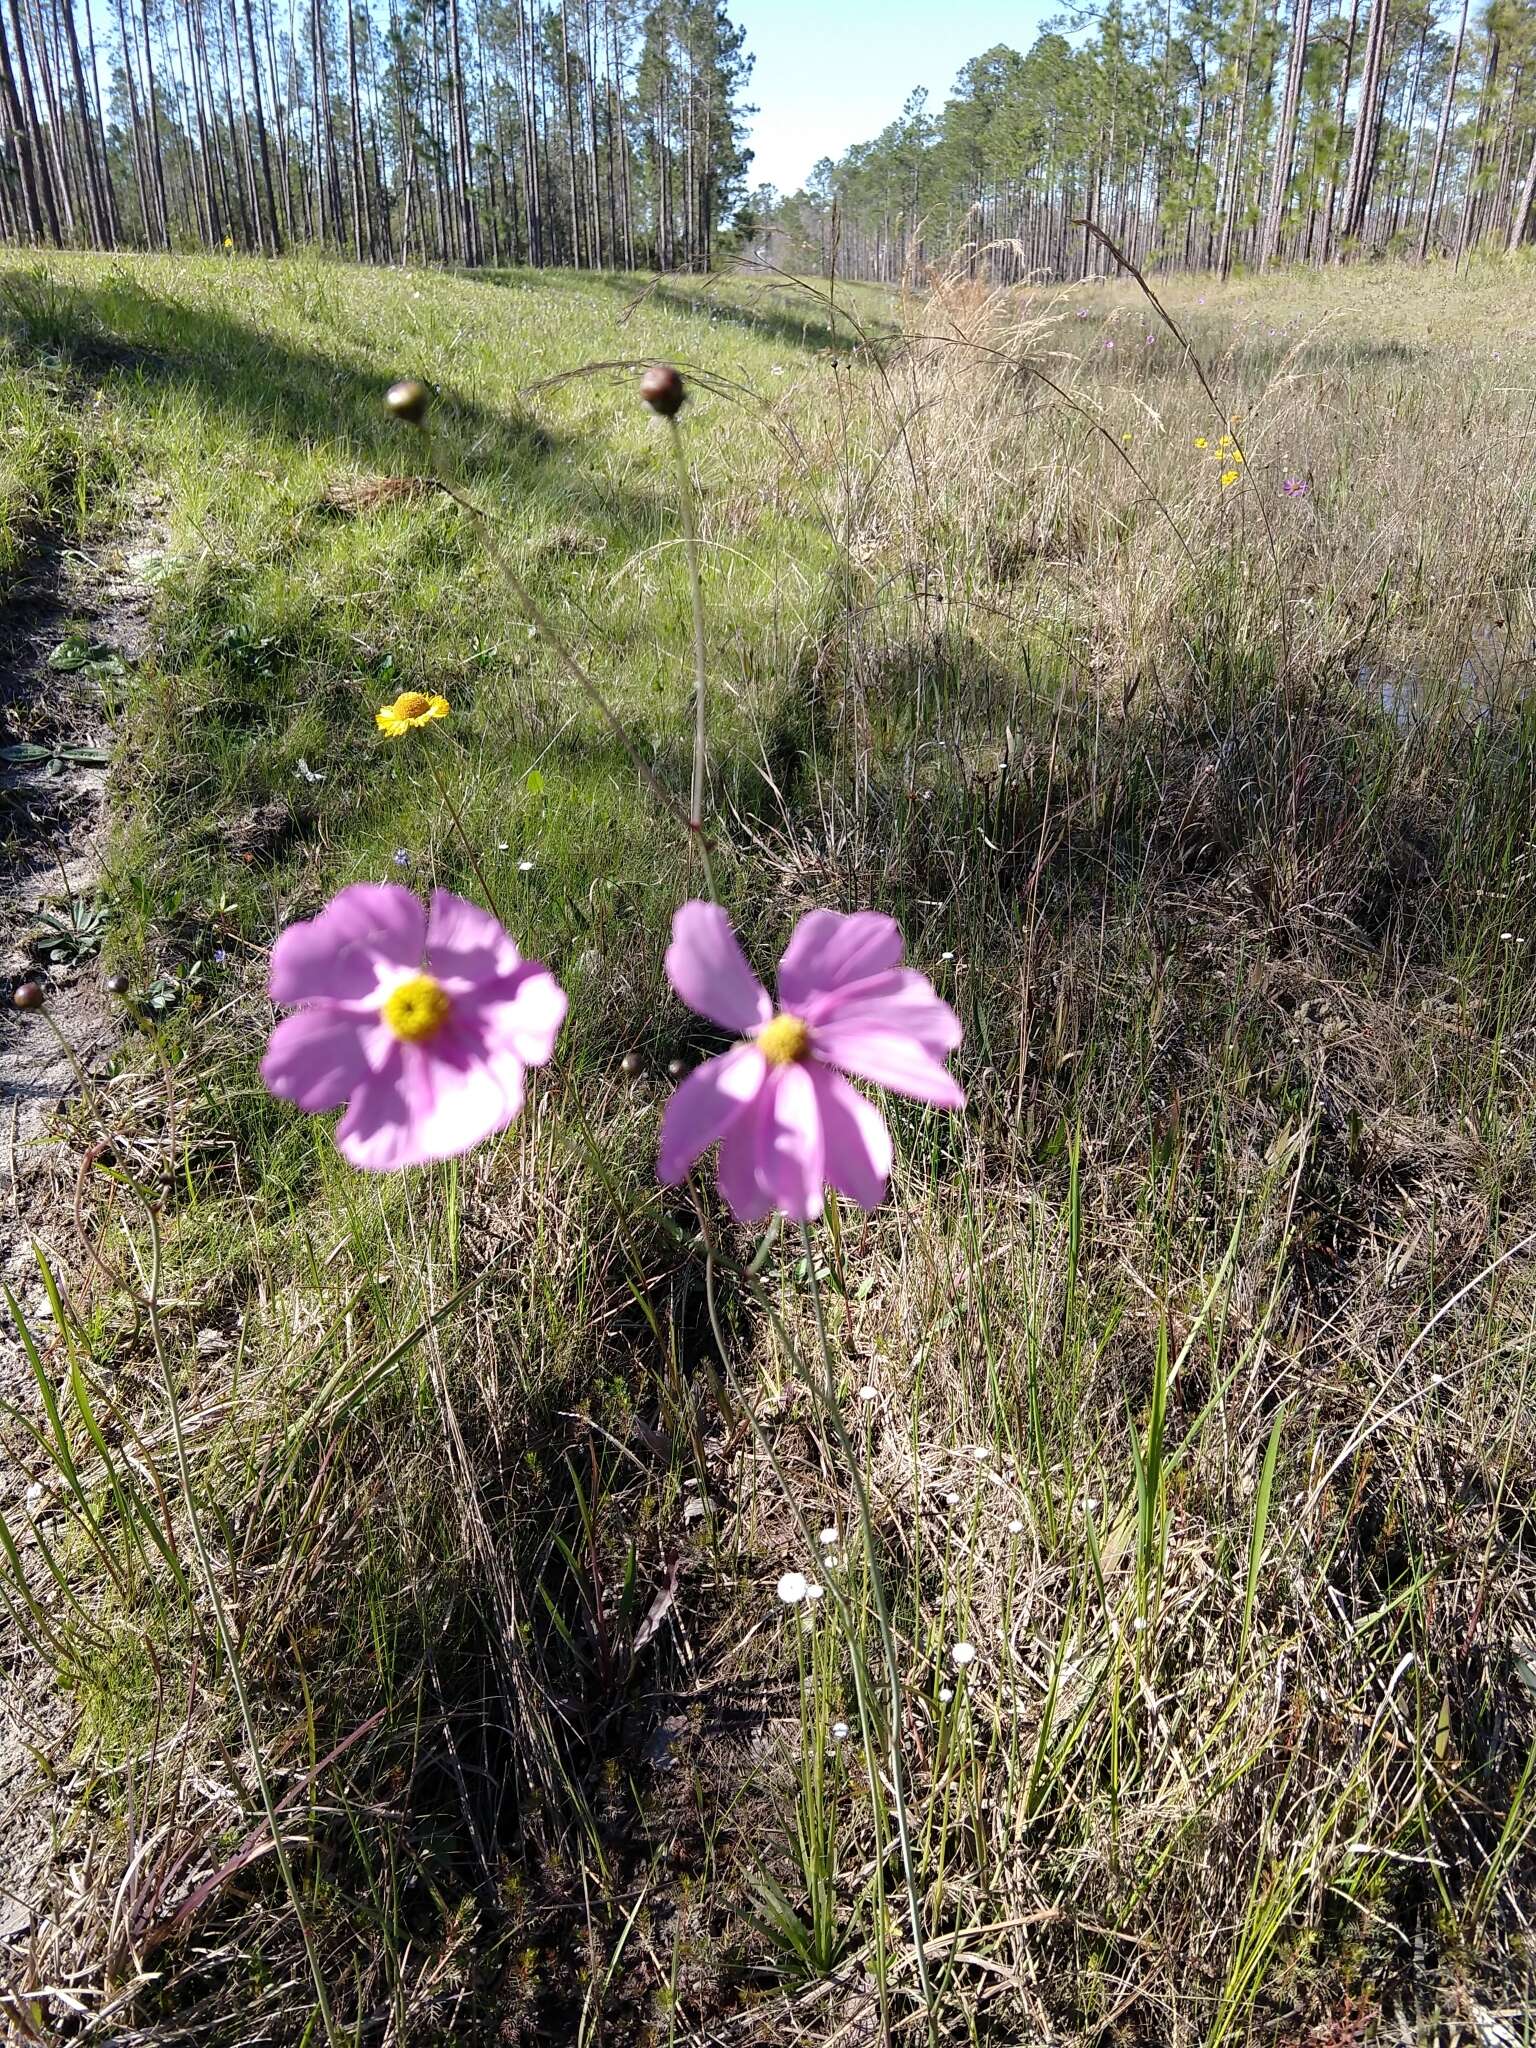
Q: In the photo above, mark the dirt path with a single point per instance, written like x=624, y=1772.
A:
x=68, y=634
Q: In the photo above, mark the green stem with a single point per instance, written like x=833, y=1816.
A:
x=700, y=667
x=869, y=1719
x=74, y=1060
x=151, y=1283
x=534, y=613
x=887, y=1635
x=464, y=840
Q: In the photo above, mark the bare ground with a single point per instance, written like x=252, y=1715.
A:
x=53, y=720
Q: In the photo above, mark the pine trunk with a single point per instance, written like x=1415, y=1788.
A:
x=1441, y=134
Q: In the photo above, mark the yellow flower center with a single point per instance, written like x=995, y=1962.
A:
x=417, y=1009
x=412, y=704
x=784, y=1040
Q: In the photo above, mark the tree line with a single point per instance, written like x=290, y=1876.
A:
x=599, y=132
x=1224, y=132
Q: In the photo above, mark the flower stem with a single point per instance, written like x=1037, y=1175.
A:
x=86, y=1086
x=535, y=615
x=464, y=840
x=700, y=672
x=869, y=1718
x=747, y=1275
x=151, y=1299
x=887, y=1635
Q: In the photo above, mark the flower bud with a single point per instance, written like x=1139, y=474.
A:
x=27, y=996
x=662, y=389
x=631, y=1064
x=408, y=399
x=116, y=984
x=677, y=1069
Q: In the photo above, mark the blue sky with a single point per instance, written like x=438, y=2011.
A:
x=833, y=72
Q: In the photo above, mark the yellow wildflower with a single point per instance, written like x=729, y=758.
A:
x=1126, y=439
x=1201, y=442
x=1228, y=476
x=410, y=709
x=1225, y=441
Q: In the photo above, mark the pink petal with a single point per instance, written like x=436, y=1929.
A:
x=426, y=1106
x=316, y=1057
x=705, y=1106
x=858, y=1144
x=376, y=1131
x=738, y=1166
x=748, y=1200
x=466, y=944
x=363, y=935
x=902, y=1001
x=890, y=1059
x=791, y=1160
x=708, y=969
x=521, y=1013
x=827, y=951
x=468, y=1103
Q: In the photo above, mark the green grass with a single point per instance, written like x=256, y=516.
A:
x=1198, y=1352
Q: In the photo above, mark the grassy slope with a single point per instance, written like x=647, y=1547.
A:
x=1250, y=1101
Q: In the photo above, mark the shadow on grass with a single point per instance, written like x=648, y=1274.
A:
x=798, y=319
x=144, y=347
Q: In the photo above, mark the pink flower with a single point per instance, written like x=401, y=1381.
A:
x=421, y=1021
x=786, y=1119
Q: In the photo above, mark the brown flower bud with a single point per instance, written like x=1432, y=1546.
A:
x=631, y=1064
x=408, y=399
x=677, y=1069
x=663, y=390
x=27, y=996
x=116, y=984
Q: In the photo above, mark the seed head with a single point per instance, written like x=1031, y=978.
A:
x=663, y=390
x=408, y=399
x=116, y=984
x=27, y=996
